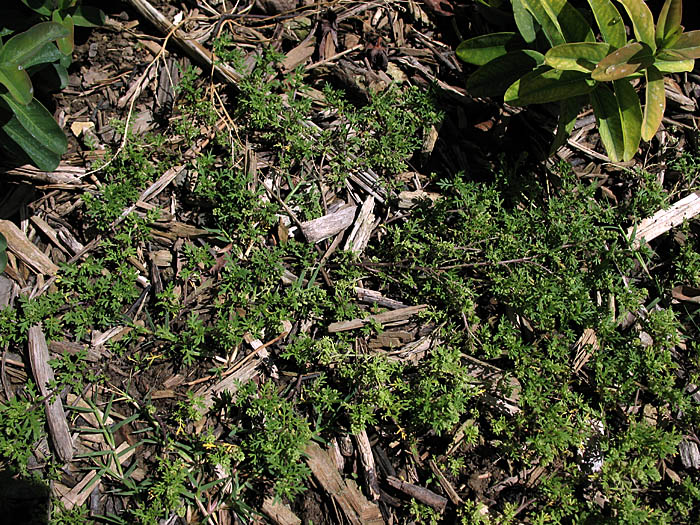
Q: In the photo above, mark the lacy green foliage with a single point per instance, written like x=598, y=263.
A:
x=162, y=492
x=273, y=437
x=556, y=57
x=21, y=425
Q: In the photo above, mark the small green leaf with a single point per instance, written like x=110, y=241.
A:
x=581, y=56
x=609, y=22
x=547, y=85
x=65, y=44
x=87, y=16
x=569, y=21
x=483, y=49
x=623, y=62
x=17, y=82
x=642, y=21
x=687, y=46
x=39, y=124
x=675, y=66
x=630, y=117
x=655, y=103
x=493, y=79
x=549, y=28
x=569, y=110
x=524, y=21
x=22, y=47
x=669, y=21
x=607, y=117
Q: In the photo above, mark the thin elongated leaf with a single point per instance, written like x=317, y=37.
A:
x=483, y=49
x=493, y=79
x=642, y=21
x=87, y=16
x=669, y=21
x=65, y=44
x=623, y=62
x=607, y=117
x=39, y=124
x=675, y=66
x=581, y=56
x=549, y=28
x=43, y=158
x=547, y=85
x=687, y=46
x=569, y=21
x=654, y=103
x=524, y=21
x=609, y=21
x=630, y=117
x=39, y=6
x=17, y=82
x=569, y=110
x=22, y=47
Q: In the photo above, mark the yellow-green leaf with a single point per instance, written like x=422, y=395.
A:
x=654, y=103
x=623, y=62
x=581, y=56
x=675, y=66
x=642, y=21
x=65, y=44
x=609, y=21
x=607, y=117
x=547, y=85
x=17, y=82
x=549, y=28
x=630, y=117
x=483, y=49
x=39, y=123
x=669, y=21
x=22, y=47
x=570, y=22
x=524, y=21
x=687, y=45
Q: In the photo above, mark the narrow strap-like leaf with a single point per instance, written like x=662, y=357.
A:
x=572, y=25
x=483, y=49
x=609, y=22
x=687, y=45
x=580, y=56
x=42, y=157
x=655, y=103
x=607, y=117
x=492, y=79
x=623, y=62
x=39, y=124
x=669, y=21
x=547, y=85
x=549, y=28
x=630, y=117
x=16, y=79
x=524, y=21
x=22, y=47
x=642, y=21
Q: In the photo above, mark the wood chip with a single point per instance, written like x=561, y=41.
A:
x=280, y=513
x=391, y=316
x=584, y=348
x=367, y=460
x=357, y=509
x=362, y=230
x=421, y=494
x=27, y=252
x=329, y=225
x=663, y=220
x=43, y=374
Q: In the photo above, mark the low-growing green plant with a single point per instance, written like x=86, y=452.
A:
x=21, y=425
x=557, y=57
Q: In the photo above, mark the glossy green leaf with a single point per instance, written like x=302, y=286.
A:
x=16, y=79
x=687, y=46
x=66, y=43
x=581, y=56
x=675, y=66
x=549, y=28
x=609, y=21
x=547, y=85
x=607, y=117
x=524, y=21
x=46, y=55
x=623, y=62
x=630, y=117
x=42, y=157
x=669, y=21
x=568, y=20
x=483, y=49
x=22, y=47
x=642, y=21
x=569, y=110
x=493, y=79
x=40, y=6
x=39, y=124
x=87, y=16
x=654, y=102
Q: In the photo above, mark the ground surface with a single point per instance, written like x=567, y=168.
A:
x=324, y=272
